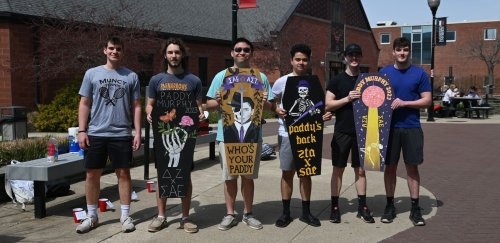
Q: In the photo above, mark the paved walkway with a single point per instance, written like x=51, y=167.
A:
x=458, y=172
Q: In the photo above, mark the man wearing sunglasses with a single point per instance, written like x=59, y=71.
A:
x=242, y=52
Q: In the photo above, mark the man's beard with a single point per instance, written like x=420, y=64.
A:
x=173, y=65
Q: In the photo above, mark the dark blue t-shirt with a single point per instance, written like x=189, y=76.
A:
x=407, y=85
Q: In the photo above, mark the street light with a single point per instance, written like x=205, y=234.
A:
x=433, y=4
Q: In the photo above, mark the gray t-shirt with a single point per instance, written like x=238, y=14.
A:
x=112, y=93
x=176, y=83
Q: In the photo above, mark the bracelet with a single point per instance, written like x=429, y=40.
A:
x=82, y=131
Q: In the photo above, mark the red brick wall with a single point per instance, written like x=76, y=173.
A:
x=21, y=49
x=5, y=74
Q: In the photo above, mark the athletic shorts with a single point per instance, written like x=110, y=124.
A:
x=342, y=145
x=118, y=149
x=410, y=141
x=222, y=158
x=286, y=155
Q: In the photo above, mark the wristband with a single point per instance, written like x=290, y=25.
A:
x=82, y=131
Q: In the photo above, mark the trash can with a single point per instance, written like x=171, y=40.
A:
x=14, y=122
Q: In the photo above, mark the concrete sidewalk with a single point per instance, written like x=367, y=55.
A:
x=208, y=205
x=208, y=208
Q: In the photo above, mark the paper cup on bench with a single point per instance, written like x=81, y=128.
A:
x=78, y=214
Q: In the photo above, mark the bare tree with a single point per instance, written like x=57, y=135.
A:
x=487, y=51
x=69, y=39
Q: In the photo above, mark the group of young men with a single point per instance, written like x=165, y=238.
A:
x=106, y=121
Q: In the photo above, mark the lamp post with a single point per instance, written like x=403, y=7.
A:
x=433, y=4
x=234, y=21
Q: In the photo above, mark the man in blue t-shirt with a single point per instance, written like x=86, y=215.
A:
x=412, y=92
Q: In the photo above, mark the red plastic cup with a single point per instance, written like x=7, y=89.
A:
x=102, y=204
x=77, y=211
x=151, y=186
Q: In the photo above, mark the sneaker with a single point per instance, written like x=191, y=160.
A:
x=365, y=214
x=127, y=225
x=252, y=222
x=335, y=215
x=87, y=224
x=389, y=214
x=228, y=222
x=283, y=221
x=310, y=220
x=416, y=217
x=157, y=224
x=188, y=226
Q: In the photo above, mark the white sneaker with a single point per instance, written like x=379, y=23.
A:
x=87, y=224
x=127, y=225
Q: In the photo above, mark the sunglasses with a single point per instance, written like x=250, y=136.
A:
x=239, y=49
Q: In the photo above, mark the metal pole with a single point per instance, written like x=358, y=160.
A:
x=430, y=110
x=146, y=141
x=235, y=21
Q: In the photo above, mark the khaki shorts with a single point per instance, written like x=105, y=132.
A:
x=222, y=159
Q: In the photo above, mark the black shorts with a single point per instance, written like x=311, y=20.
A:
x=408, y=140
x=343, y=144
x=119, y=150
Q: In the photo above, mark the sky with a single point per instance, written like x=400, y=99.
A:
x=417, y=12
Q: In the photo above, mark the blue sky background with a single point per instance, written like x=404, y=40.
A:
x=417, y=12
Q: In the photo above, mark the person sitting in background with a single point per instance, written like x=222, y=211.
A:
x=450, y=93
x=473, y=103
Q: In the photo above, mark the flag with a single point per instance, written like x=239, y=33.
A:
x=248, y=4
x=441, y=31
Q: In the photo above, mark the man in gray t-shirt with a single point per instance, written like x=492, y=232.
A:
x=109, y=107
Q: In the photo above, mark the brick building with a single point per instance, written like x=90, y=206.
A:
x=456, y=61
x=326, y=25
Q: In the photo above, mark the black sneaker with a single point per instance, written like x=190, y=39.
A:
x=283, y=221
x=335, y=216
x=365, y=214
x=310, y=220
x=416, y=217
x=389, y=214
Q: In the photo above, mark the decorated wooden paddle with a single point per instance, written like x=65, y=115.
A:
x=242, y=94
x=304, y=101
x=372, y=117
x=175, y=121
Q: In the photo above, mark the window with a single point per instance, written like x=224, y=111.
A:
x=490, y=34
x=451, y=36
x=420, y=37
x=385, y=38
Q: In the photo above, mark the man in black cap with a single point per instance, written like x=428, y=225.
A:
x=243, y=130
x=339, y=96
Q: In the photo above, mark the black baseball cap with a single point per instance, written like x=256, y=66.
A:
x=353, y=48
